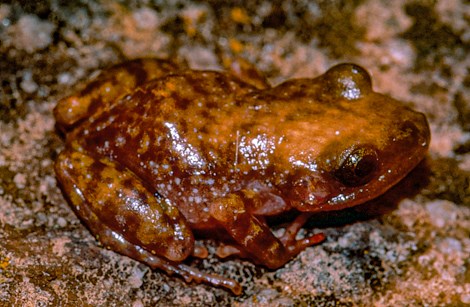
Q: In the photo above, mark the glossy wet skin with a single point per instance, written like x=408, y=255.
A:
x=155, y=152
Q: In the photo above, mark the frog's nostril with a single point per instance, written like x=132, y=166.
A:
x=408, y=127
x=409, y=131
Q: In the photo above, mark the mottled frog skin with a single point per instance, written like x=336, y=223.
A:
x=155, y=153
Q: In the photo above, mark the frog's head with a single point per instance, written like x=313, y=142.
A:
x=356, y=145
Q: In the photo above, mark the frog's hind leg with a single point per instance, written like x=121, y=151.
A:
x=253, y=236
x=118, y=243
x=128, y=219
x=112, y=83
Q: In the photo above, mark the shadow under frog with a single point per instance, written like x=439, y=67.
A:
x=155, y=152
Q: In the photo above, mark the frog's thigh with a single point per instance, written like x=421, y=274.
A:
x=253, y=236
x=106, y=195
x=112, y=83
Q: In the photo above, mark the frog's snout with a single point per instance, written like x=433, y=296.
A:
x=414, y=133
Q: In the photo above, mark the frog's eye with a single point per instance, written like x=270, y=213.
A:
x=357, y=167
x=348, y=81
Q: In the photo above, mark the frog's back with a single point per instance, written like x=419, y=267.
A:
x=202, y=124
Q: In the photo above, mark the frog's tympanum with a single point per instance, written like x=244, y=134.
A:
x=155, y=153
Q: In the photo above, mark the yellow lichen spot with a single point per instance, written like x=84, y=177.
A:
x=170, y=86
x=164, y=92
x=144, y=144
x=239, y=15
x=249, y=194
x=235, y=45
x=133, y=131
x=191, y=19
x=83, y=160
x=255, y=229
x=107, y=162
x=4, y=263
x=190, y=26
x=76, y=197
x=274, y=247
x=109, y=173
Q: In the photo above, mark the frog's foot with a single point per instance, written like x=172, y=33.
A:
x=254, y=238
x=118, y=243
x=200, y=251
x=224, y=251
x=296, y=246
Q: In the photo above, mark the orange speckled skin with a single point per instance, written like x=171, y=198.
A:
x=155, y=152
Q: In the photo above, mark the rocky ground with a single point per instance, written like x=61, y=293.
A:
x=410, y=248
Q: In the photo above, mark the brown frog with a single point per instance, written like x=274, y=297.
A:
x=155, y=153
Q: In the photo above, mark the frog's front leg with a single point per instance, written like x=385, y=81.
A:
x=254, y=238
x=129, y=219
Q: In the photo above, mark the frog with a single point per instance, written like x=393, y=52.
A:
x=157, y=154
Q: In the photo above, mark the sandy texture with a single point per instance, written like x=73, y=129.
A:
x=412, y=247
